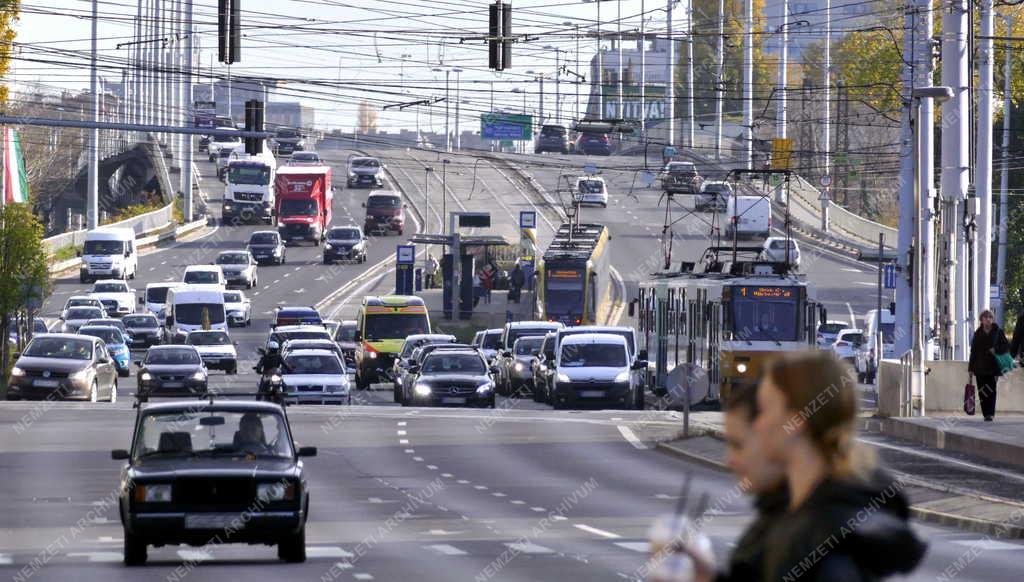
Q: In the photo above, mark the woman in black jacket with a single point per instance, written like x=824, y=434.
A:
x=982, y=367
x=846, y=521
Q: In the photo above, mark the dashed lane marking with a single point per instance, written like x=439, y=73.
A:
x=362, y=576
x=446, y=549
x=529, y=548
x=642, y=547
x=627, y=433
x=91, y=556
x=596, y=531
x=402, y=433
x=328, y=552
x=984, y=544
x=403, y=441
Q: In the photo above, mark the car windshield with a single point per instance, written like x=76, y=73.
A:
x=400, y=325
x=528, y=346
x=287, y=133
x=109, y=288
x=305, y=157
x=282, y=336
x=298, y=315
x=453, y=364
x=85, y=313
x=853, y=338
x=832, y=328
x=233, y=259
x=208, y=338
x=229, y=433
x=313, y=364
x=346, y=333
x=717, y=188
x=781, y=245
x=156, y=294
x=140, y=321
x=591, y=186
x=103, y=247
x=593, y=355
x=516, y=333
x=365, y=163
x=295, y=207
x=81, y=301
x=343, y=234
x=310, y=344
x=411, y=345
x=60, y=347
x=383, y=202
x=200, y=277
x=38, y=326
x=195, y=313
x=263, y=238
x=233, y=297
x=681, y=169
x=172, y=357
x=227, y=139
x=248, y=174
x=492, y=341
x=552, y=131
x=110, y=335
x=625, y=333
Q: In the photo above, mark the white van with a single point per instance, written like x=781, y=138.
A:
x=156, y=296
x=749, y=216
x=594, y=368
x=866, y=357
x=186, y=307
x=109, y=253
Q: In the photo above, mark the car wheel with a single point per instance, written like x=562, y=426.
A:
x=293, y=549
x=134, y=550
x=94, y=392
x=123, y=372
x=232, y=370
x=538, y=396
x=557, y=404
x=113, y=392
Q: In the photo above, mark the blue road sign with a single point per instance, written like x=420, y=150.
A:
x=527, y=219
x=889, y=276
x=406, y=254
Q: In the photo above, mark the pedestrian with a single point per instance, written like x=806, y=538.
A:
x=429, y=272
x=982, y=368
x=478, y=289
x=516, y=280
x=487, y=282
x=758, y=476
x=846, y=519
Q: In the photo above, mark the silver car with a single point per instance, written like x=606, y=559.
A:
x=237, y=308
x=239, y=268
x=315, y=377
x=64, y=366
x=76, y=317
x=774, y=250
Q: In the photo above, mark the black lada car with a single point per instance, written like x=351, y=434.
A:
x=213, y=471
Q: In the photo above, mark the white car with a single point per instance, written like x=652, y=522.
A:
x=76, y=317
x=215, y=348
x=229, y=142
x=239, y=268
x=774, y=250
x=591, y=190
x=714, y=195
x=116, y=296
x=305, y=157
x=315, y=377
x=237, y=308
x=846, y=343
x=827, y=332
x=80, y=301
x=204, y=275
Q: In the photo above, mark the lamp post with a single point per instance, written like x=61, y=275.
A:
x=458, y=101
x=558, y=80
x=577, y=83
x=447, y=133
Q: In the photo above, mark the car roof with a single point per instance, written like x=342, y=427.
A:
x=255, y=232
x=82, y=297
x=233, y=252
x=202, y=268
x=207, y=406
x=310, y=340
x=164, y=284
x=594, y=338
x=168, y=347
x=312, y=352
x=494, y=330
x=457, y=351
x=419, y=336
x=80, y=307
x=302, y=327
x=543, y=324
x=97, y=327
x=62, y=336
x=97, y=281
x=217, y=331
x=298, y=309
x=850, y=330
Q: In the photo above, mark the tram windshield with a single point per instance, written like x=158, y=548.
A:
x=765, y=313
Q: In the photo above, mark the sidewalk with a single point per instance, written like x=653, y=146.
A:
x=1000, y=441
x=945, y=490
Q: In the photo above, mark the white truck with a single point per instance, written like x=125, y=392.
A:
x=866, y=358
x=749, y=217
x=249, y=193
x=116, y=296
x=109, y=253
x=190, y=307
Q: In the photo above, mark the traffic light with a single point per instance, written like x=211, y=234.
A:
x=229, y=31
x=253, y=122
x=499, y=41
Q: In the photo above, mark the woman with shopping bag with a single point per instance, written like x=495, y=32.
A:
x=988, y=361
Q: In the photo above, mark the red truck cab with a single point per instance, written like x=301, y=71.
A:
x=305, y=198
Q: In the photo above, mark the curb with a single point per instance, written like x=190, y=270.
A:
x=1011, y=529
x=143, y=242
x=999, y=452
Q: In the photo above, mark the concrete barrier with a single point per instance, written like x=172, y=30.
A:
x=858, y=230
x=944, y=389
x=154, y=237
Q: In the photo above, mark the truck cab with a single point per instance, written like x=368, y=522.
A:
x=305, y=197
x=249, y=192
x=109, y=253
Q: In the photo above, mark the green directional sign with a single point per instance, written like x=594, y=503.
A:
x=506, y=126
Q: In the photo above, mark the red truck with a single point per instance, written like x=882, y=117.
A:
x=304, y=200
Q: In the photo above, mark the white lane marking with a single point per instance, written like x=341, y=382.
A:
x=849, y=270
x=328, y=552
x=417, y=459
x=627, y=433
x=642, y=547
x=528, y=548
x=297, y=268
x=462, y=482
x=559, y=518
x=375, y=500
x=343, y=565
x=983, y=544
x=91, y=556
x=517, y=502
x=538, y=509
x=432, y=467
x=866, y=284
x=163, y=262
x=362, y=576
x=496, y=494
x=109, y=540
x=595, y=531
x=402, y=433
x=410, y=451
x=194, y=555
x=614, y=418
x=448, y=475
x=287, y=275
x=402, y=423
x=5, y=560
x=446, y=549
x=403, y=441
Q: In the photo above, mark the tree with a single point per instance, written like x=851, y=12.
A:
x=9, y=11
x=23, y=269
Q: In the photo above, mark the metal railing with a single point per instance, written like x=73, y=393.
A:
x=141, y=224
x=846, y=224
x=906, y=388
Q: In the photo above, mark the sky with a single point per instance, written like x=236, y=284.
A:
x=335, y=54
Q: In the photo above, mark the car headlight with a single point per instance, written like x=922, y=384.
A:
x=199, y=376
x=145, y=376
x=372, y=355
x=280, y=225
x=485, y=388
x=519, y=366
x=328, y=246
x=16, y=371
x=153, y=493
x=421, y=390
x=562, y=378
x=622, y=377
x=275, y=491
x=276, y=378
x=80, y=375
x=741, y=368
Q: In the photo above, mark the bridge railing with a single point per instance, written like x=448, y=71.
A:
x=142, y=223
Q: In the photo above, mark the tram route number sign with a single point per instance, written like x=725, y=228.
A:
x=766, y=292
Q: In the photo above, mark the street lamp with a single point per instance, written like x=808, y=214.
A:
x=920, y=95
x=558, y=80
x=447, y=133
x=458, y=100
x=577, y=83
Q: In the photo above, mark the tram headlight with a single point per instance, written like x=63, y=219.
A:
x=741, y=368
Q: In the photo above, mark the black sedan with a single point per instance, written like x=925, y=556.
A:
x=266, y=246
x=172, y=370
x=202, y=472
x=144, y=329
x=452, y=377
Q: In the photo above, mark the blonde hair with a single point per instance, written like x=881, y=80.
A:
x=821, y=391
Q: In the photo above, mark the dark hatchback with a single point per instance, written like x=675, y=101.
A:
x=345, y=337
x=266, y=246
x=298, y=316
x=172, y=370
x=552, y=138
x=144, y=330
x=452, y=378
x=593, y=144
x=202, y=472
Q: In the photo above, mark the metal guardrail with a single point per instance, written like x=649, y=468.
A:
x=862, y=231
x=906, y=389
x=141, y=224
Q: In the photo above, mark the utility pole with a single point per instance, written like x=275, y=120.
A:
x=643, y=71
x=92, y=195
x=1004, y=176
x=458, y=101
x=780, y=112
x=689, y=74
x=600, y=66
x=186, y=164
x=826, y=119
x=983, y=162
x=719, y=83
x=578, y=72
x=622, y=67
x=670, y=91
x=447, y=116
x=748, y=84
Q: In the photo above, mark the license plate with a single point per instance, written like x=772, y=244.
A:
x=210, y=521
x=592, y=394
x=174, y=384
x=451, y=400
x=212, y=360
x=46, y=383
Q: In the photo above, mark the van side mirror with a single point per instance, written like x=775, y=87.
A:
x=306, y=452
x=15, y=355
x=169, y=321
x=119, y=455
x=632, y=308
x=141, y=301
x=78, y=253
x=641, y=355
x=358, y=336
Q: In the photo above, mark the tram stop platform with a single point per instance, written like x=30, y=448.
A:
x=486, y=315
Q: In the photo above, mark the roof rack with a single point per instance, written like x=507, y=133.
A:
x=573, y=241
x=272, y=396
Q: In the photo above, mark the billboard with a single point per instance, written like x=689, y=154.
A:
x=506, y=126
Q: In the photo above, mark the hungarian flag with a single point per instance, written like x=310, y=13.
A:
x=15, y=181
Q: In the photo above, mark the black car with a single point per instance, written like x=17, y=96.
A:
x=201, y=472
x=345, y=337
x=453, y=377
x=144, y=330
x=266, y=246
x=345, y=243
x=410, y=370
x=173, y=370
x=552, y=138
x=593, y=144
